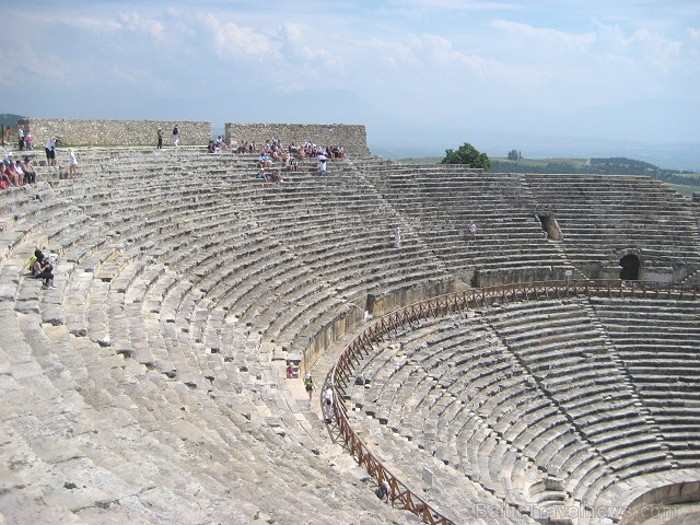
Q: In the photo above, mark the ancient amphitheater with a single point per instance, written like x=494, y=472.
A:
x=510, y=378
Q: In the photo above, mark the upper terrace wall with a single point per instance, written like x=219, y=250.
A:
x=352, y=137
x=114, y=132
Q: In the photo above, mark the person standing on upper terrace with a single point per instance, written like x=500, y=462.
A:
x=176, y=134
x=20, y=137
x=50, y=149
x=160, y=138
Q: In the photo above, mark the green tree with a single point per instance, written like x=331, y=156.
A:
x=514, y=155
x=467, y=154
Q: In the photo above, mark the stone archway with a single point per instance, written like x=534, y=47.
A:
x=630, y=266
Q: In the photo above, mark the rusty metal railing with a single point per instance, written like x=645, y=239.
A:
x=442, y=305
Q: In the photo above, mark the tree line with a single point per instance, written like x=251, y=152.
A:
x=469, y=155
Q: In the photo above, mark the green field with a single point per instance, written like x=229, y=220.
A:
x=686, y=190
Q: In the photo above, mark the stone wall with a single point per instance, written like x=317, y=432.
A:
x=114, y=132
x=352, y=137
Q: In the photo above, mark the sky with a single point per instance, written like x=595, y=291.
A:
x=555, y=78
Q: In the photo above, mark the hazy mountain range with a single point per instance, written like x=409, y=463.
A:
x=652, y=131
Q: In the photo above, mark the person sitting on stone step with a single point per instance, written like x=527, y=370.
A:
x=29, y=171
x=262, y=175
x=43, y=269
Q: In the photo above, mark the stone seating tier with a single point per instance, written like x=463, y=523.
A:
x=170, y=299
x=434, y=395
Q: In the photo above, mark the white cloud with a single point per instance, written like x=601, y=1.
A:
x=134, y=22
x=642, y=46
x=296, y=37
x=546, y=36
x=458, y=5
x=442, y=52
x=238, y=42
x=98, y=25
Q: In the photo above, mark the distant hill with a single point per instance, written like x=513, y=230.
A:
x=9, y=119
x=685, y=181
x=598, y=166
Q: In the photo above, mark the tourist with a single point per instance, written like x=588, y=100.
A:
x=264, y=160
x=397, y=237
x=277, y=177
x=43, y=269
x=5, y=177
x=29, y=171
x=20, y=138
x=328, y=396
x=262, y=175
x=8, y=169
x=328, y=403
x=383, y=491
x=7, y=135
x=293, y=165
x=309, y=385
x=50, y=149
x=160, y=139
x=322, y=159
x=472, y=230
x=19, y=173
x=176, y=134
x=72, y=164
x=29, y=142
x=221, y=144
x=290, y=371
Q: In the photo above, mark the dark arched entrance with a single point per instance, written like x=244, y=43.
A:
x=630, y=268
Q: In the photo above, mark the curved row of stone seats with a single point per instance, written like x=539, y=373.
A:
x=441, y=202
x=552, y=410
x=628, y=211
x=120, y=287
x=658, y=343
x=125, y=395
x=588, y=384
x=439, y=384
x=92, y=433
x=175, y=306
x=445, y=488
x=165, y=301
x=576, y=371
x=338, y=227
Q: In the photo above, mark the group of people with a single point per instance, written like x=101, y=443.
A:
x=310, y=386
x=51, y=151
x=24, y=140
x=16, y=172
x=176, y=136
x=273, y=152
x=275, y=177
x=217, y=146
